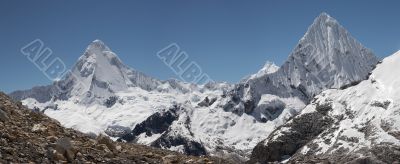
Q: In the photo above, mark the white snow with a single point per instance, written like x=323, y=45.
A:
x=268, y=68
x=145, y=140
x=363, y=106
x=326, y=57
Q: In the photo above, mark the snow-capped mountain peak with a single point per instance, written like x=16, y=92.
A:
x=268, y=68
x=329, y=53
x=97, y=58
x=322, y=22
x=99, y=74
x=327, y=56
x=98, y=45
x=215, y=118
x=100, y=71
x=359, y=122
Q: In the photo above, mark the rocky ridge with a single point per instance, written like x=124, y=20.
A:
x=27, y=136
x=355, y=124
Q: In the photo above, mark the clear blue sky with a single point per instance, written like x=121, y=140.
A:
x=228, y=39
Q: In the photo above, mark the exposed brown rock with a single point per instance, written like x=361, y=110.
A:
x=3, y=116
x=30, y=137
x=302, y=130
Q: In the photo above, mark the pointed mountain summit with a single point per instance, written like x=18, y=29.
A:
x=97, y=75
x=98, y=45
x=327, y=56
x=268, y=68
x=213, y=119
x=338, y=115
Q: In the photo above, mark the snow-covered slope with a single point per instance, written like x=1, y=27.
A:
x=237, y=120
x=360, y=123
x=268, y=68
x=99, y=74
x=102, y=95
x=326, y=57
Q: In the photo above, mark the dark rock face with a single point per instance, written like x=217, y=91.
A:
x=352, y=84
x=302, y=129
x=207, y=102
x=155, y=124
x=110, y=101
x=190, y=147
x=382, y=104
x=323, y=108
x=32, y=137
x=387, y=153
x=159, y=123
x=249, y=106
x=378, y=154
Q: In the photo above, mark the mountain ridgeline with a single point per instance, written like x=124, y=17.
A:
x=103, y=95
x=359, y=124
x=326, y=57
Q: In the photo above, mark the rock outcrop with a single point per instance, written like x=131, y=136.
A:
x=27, y=136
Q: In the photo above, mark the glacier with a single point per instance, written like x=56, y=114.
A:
x=103, y=95
x=360, y=123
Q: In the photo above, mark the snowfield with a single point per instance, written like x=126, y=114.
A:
x=102, y=95
x=372, y=104
x=364, y=119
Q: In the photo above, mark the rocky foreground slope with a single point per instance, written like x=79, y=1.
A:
x=28, y=136
x=101, y=95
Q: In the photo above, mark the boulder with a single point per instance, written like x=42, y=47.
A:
x=102, y=139
x=170, y=159
x=65, y=147
x=3, y=116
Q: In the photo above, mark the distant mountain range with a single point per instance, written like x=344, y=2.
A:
x=327, y=102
